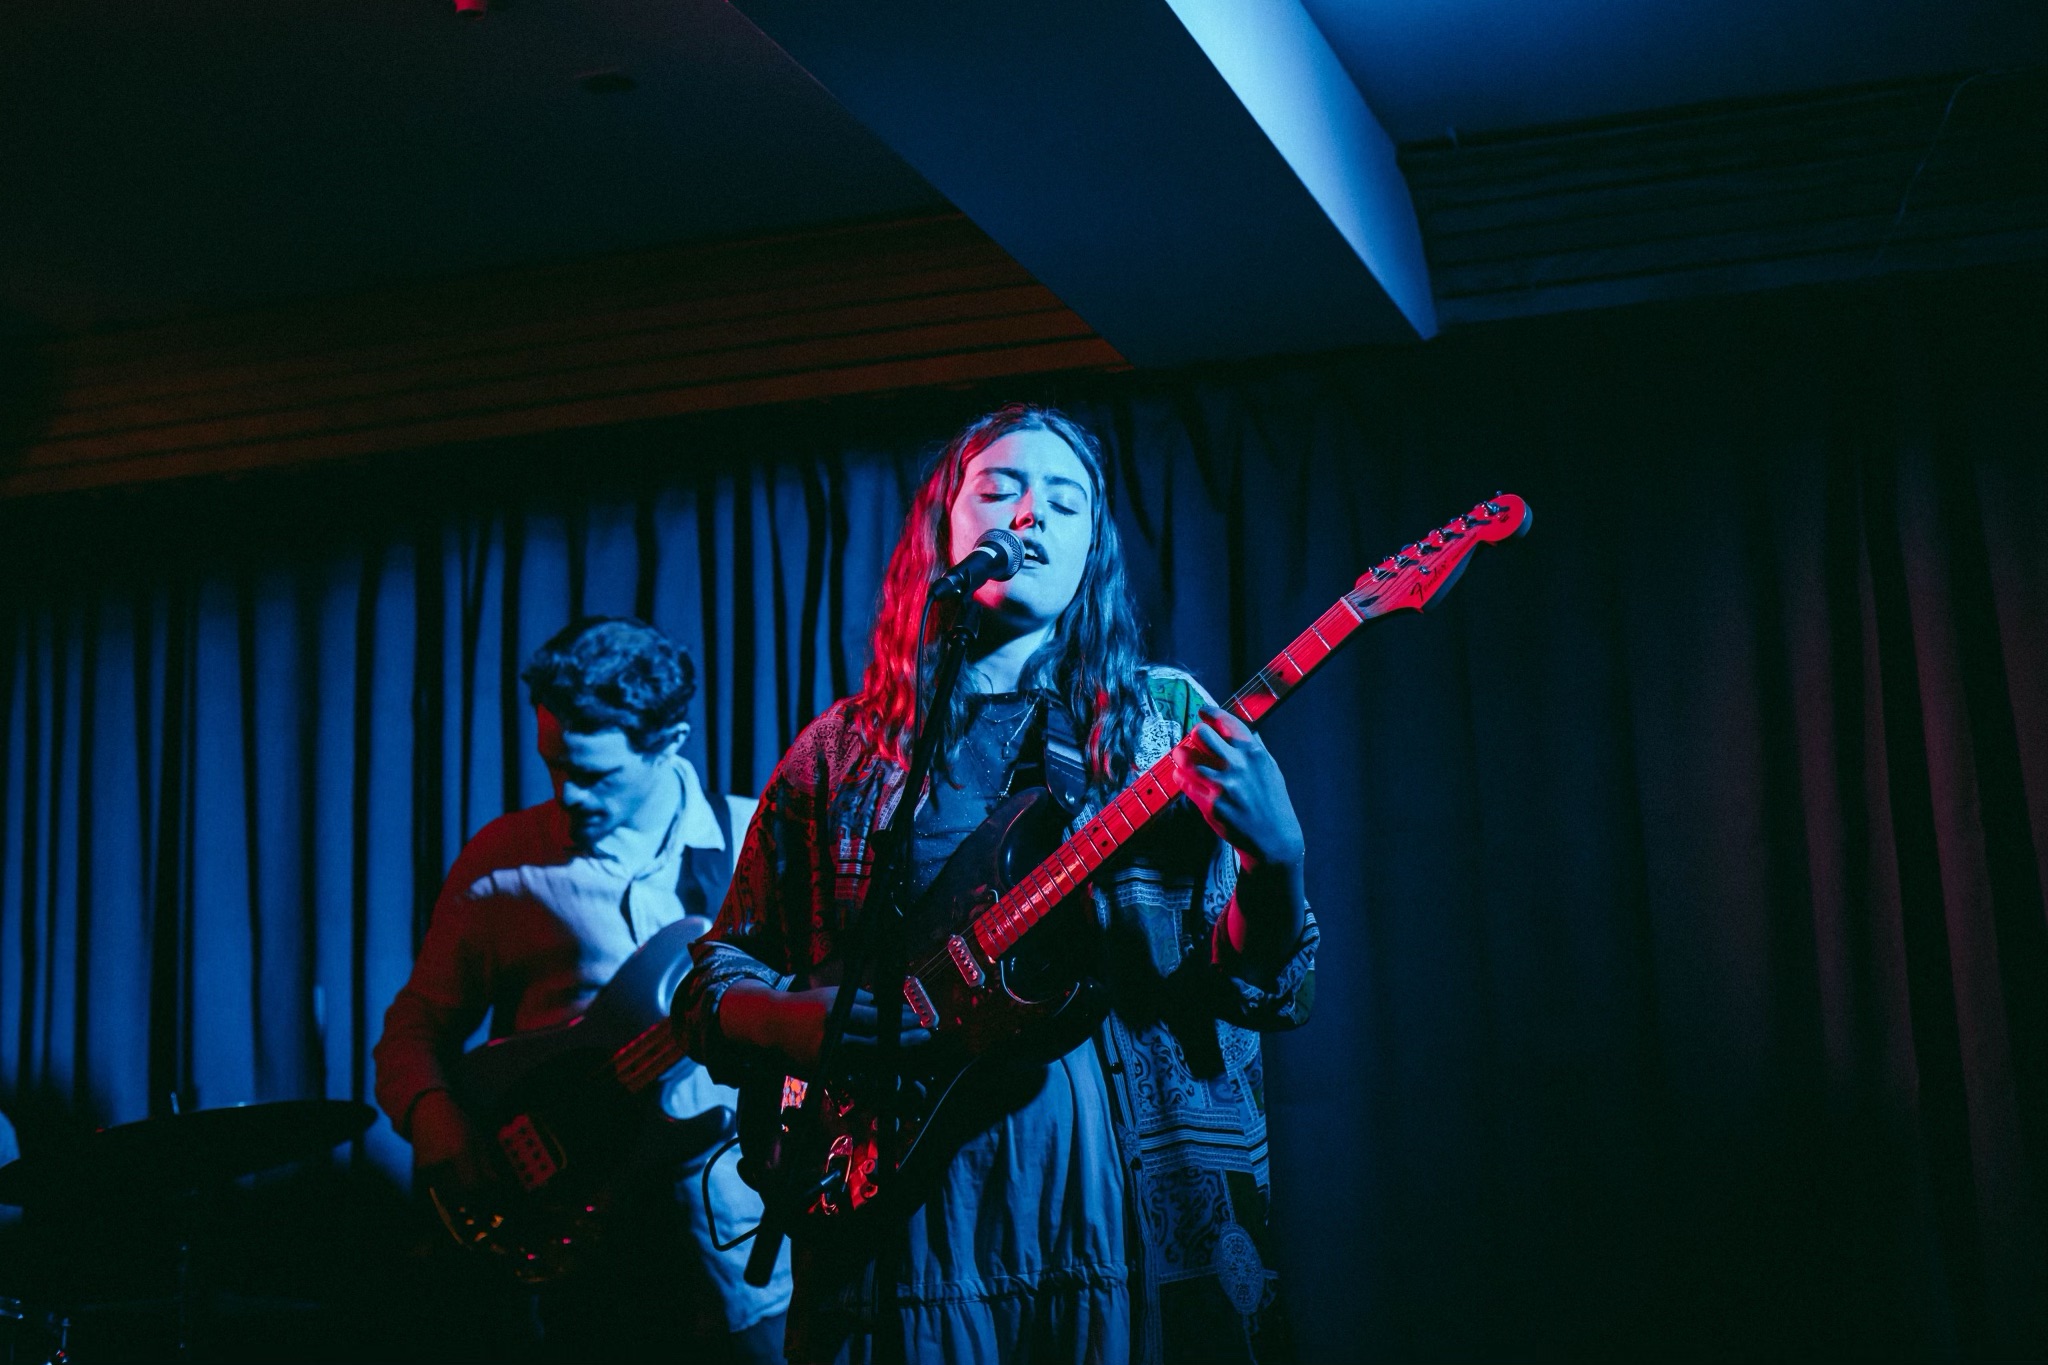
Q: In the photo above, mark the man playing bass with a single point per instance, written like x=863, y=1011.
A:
x=540, y=910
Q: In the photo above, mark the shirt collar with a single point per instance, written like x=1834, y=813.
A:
x=695, y=826
x=700, y=826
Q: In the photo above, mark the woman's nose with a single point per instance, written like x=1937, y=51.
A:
x=1026, y=516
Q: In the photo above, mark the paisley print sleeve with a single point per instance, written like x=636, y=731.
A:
x=1177, y=701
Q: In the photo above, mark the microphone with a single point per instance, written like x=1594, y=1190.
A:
x=997, y=555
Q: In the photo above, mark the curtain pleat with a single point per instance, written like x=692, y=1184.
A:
x=1685, y=976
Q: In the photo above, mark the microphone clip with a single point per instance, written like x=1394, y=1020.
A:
x=997, y=556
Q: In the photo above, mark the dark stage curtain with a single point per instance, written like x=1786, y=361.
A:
x=1685, y=969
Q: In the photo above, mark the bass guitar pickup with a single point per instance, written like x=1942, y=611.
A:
x=533, y=1158
x=920, y=1003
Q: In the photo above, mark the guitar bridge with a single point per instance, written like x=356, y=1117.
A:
x=920, y=1004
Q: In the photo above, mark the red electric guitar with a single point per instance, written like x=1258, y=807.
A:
x=990, y=990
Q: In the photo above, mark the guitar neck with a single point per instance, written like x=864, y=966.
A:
x=1000, y=927
x=646, y=1059
x=1404, y=581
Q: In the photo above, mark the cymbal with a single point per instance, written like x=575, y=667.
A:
x=180, y=1152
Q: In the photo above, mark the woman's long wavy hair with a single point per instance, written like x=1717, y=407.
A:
x=1092, y=662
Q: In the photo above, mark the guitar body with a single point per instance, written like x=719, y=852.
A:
x=1030, y=1006
x=567, y=1132
x=500, y=1072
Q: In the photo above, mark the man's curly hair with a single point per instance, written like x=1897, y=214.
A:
x=614, y=672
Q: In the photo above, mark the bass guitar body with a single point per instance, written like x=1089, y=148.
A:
x=992, y=1023
x=571, y=1117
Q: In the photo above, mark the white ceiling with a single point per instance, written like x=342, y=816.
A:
x=1487, y=65
x=159, y=158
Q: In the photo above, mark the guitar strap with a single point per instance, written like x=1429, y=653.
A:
x=704, y=873
x=1066, y=764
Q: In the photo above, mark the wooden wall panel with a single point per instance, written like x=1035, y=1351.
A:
x=845, y=311
x=1841, y=185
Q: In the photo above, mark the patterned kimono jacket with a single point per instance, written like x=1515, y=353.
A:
x=1179, y=1050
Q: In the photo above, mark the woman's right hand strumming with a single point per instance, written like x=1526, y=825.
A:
x=791, y=1024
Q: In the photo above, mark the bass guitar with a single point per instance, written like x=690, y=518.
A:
x=573, y=1117
x=990, y=990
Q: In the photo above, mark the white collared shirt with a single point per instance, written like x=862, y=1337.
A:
x=529, y=928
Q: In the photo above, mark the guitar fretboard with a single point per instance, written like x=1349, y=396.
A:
x=1405, y=580
x=1001, y=926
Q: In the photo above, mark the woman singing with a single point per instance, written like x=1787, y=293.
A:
x=1115, y=1208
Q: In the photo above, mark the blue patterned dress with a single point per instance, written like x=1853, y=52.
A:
x=1121, y=1212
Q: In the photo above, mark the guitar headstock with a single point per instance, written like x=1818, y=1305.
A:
x=1413, y=575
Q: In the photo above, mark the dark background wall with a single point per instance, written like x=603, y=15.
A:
x=1685, y=980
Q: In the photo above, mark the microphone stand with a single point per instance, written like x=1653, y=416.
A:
x=878, y=931
x=876, y=941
